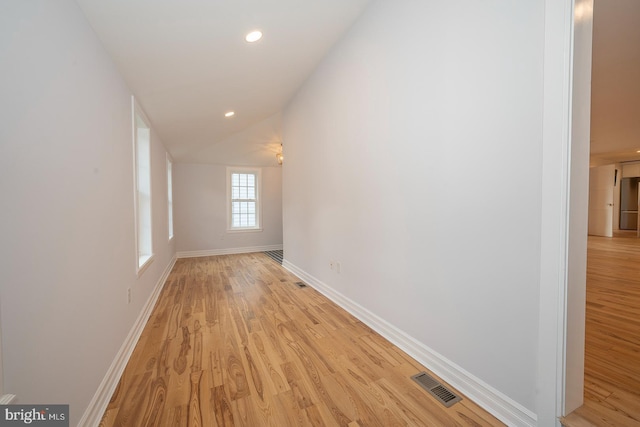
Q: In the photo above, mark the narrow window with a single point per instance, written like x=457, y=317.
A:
x=142, y=160
x=170, y=195
x=243, y=186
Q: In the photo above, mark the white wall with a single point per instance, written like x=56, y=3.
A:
x=594, y=162
x=200, y=209
x=414, y=91
x=67, y=253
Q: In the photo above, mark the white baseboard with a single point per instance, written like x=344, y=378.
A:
x=493, y=401
x=228, y=251
x=7, y=399
x=98, y=404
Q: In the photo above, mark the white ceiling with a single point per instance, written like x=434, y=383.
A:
x=187, y=63
x=615, y=91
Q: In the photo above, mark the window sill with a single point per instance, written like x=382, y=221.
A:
x=143, y=263
x=244, y=230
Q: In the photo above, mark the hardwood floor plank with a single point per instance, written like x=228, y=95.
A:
x=155, y=405
x=319, y=415
x=245, y=413
x=177, y=416
x=288, y=408
x=108, y=419
x=612, y=343
x=195, y=414
x=130, y=411
x=235, y=376
x=233, y=341
x=221, y=407
x=273, y=376
x=420, y=408
x=300, y=388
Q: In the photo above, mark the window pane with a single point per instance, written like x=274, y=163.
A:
x=243, y=194
x=142, y=159
x=169, y=197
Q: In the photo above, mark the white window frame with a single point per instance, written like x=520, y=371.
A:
x=258, y=181
x=142, y=205
x=170, y=197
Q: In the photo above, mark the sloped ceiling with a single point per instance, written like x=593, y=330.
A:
x=615, y=87
x=187, y=63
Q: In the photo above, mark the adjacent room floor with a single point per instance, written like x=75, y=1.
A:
x=234, y=341
x=612, y=353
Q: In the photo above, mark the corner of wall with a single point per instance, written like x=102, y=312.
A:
x=495, y=402
x=94, y=412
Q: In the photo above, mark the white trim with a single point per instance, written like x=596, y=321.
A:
x=170, y=225
x=556, y=164
x=501, y=406
x=574, y=297
x=145, y=264
x=228, y=251
x=7, y=399
x=135, y=183
x=137, y=111
x=245, y=230
x=94, y=412
x=258, y=174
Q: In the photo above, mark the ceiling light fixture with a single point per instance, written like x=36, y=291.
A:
x=253, y=36
x=229, y=114
x=279, y=156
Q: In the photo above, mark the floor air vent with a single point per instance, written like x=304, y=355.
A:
x=275, y=255
x=301, y=284
x=437, y=390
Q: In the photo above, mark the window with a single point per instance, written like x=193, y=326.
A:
x=170, y=195
x=142, y=165
x=243, y=186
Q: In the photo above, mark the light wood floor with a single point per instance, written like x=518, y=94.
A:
x=612, y=353
x=233, y=341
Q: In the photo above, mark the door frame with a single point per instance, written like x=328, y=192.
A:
x=565, y=168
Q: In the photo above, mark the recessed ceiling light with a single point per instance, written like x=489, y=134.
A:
x=229, y=114
x=253, y=36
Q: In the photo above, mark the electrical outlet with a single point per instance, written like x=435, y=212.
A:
x=129, y=296
x=332, y=265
